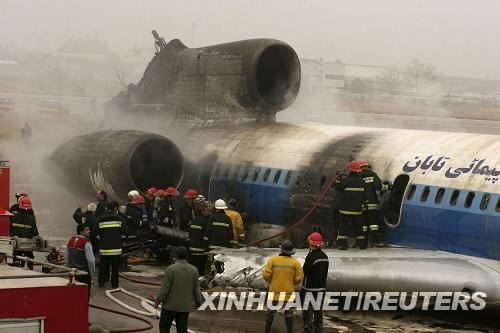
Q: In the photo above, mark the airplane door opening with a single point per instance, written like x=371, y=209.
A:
x=394, y=204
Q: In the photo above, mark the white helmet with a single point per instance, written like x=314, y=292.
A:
x=91, y=207
x=132, y=194
x=220, y=204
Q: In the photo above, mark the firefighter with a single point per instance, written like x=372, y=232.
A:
x=133, y=217
x=111, y=232
x=350, y=206
x=80, y=255
x=102, y=202
x=15, y=207
x=23, y=225
x=372, y=207
x=282, y=273
x=159, y=195
x=219, y=230
x=237, y=221
x=315, y=274
x=166, y=212
x=149, y=199
x=197, y=253
x=186, y=213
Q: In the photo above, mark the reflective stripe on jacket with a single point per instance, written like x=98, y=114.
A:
x=373, y=184
x=353, y=189
x=219, y=231
x=282, y=273
x=110, y=230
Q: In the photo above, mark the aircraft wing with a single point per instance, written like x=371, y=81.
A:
x=376, y=269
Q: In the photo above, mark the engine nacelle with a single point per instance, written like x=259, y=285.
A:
x=245, y=79
x=119, y=161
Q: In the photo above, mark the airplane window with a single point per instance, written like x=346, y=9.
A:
x=277, y=177
x=439, y=196
x=288, y=177
x=245, y=174
x=298, y=181
x=485, y=201
x=469, y=199
x=497, y=208
x=237, y=172
x=454, y=197
x=310, y=182
x=411, y=192
x=256, y=174
x=266, y=175
x=425, y=194
x=322, y=181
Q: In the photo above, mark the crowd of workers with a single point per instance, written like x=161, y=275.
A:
x=104, y=226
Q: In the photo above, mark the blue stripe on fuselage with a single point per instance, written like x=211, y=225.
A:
x=265, y=201
x=427, y=225
x=440, y=226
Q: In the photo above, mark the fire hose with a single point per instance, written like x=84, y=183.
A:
x=305, y=217
x=140, y=329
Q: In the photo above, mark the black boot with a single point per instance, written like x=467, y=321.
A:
x=289, y=324
x=342, y=243
x=269, y=321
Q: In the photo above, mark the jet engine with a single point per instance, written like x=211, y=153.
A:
x=118, y=161
x=251, y=79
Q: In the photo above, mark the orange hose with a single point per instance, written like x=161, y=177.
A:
x=304, y=218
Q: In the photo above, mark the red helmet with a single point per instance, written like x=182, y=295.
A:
x=152, y=190
x=316, y=240
x=190, y=194
x=25, y=203
x=363, y=163
x=354, y=166
x=171, y=191
x=160, y=193
x=137, y=199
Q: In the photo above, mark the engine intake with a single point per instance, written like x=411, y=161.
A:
x=119, y=161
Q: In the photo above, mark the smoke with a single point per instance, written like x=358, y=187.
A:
x=52, y=203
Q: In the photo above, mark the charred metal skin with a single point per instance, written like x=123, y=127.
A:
x=118, y=161
x=381, y=270
x=244, y=80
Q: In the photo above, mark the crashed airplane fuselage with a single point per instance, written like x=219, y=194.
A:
x=213, y=112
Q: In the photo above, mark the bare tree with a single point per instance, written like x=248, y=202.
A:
x=420, y=75
x=392, y=77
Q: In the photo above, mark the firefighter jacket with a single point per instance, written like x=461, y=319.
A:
x=186, y=215
x=166, y=213
x=219, y=231
x=111, y=230
x=315, y=271
x=373, y=184
x=80, y=255
x=353, y=196
x=282, y=273
x=23, y=224
x=238, y=228
x=133, y=219
x=196, y=232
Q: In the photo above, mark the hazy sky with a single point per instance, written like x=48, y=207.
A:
x=461, y=37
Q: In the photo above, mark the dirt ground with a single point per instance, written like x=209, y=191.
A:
x=253, y=321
